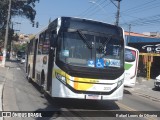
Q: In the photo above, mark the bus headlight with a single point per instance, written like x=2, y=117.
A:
x=120, y=82
x=61, y=78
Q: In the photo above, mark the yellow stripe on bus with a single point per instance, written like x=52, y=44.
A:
x=82, y=86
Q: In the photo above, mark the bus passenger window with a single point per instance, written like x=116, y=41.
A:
x=41, y=38
x=46, y=44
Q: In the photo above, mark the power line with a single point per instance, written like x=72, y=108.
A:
x=146, y=22
x=94, y=9
x=149, y=21
x=88, y=9
x=97, y=10
x=141, y=7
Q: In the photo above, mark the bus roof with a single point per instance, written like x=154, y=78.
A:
x=84, y=19
x=131, y=48
x=85, y=24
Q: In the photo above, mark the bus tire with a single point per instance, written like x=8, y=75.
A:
x=156, y=88
x=29, y=79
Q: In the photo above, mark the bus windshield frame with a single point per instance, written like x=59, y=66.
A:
x=90, y=49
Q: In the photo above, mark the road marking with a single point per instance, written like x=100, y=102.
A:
x=18, y=68
x=125, y=107
x=131, y=109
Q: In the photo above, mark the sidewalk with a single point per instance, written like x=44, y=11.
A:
x=3, y=73
x=145, y=88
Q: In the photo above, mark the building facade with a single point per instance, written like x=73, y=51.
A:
x=149, y=48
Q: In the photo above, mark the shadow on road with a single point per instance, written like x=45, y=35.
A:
x=77, y=108
x=86, y=104
x=127, y=91
x=48, y=113
x=156, y=89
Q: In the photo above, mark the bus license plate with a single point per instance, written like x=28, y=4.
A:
x=94, y=97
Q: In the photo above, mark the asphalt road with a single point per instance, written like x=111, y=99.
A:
x=20, y=95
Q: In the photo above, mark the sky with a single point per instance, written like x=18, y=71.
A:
x=141, y=15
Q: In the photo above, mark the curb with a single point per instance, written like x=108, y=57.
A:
x=1, y=92
x=144, y=94
x=1, y=98
x=141, y=85
x=147, y=96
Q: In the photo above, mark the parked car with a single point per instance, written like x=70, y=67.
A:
x=23, y=59
x=157, y=82
x=19, y=55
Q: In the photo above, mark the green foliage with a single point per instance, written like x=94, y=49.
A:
x=19, y=47
x=23, y=8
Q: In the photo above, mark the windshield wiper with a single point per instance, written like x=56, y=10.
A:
x=84, y=39
x=106, y=42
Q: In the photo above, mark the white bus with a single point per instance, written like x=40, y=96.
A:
x=78, y=58
x=131, y=66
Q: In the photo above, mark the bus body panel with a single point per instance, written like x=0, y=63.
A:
x=131, y=69
x=30, y=65
x=41, y=66
x=61, y=90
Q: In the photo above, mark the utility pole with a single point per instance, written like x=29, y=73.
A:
x=6, y=35
x=129, y=33
x=118, y=12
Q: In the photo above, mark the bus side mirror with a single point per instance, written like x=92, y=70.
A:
x=52, y=48
x=53, y=41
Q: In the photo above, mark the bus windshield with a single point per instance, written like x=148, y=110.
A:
x=90, y=50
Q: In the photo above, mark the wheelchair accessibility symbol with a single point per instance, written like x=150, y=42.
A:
x=99, y=63
x=91, y=63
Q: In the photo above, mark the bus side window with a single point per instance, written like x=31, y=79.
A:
x=41, y=38
x=46, y=43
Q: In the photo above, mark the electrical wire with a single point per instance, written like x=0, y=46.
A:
x=94, y=8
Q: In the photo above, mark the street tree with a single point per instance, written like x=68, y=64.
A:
x=23, y=8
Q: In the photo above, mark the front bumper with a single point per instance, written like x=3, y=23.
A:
x=157, y=83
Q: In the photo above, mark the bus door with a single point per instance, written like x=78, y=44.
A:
x=34, y=58
x=51, y=60
x=27, y=53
